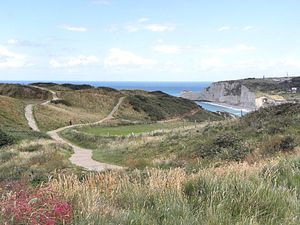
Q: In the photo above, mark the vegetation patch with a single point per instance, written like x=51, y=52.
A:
x=5, y=139
x=33, y=162
x=195, y=146
x=23, y=92
x=124, y=130
x=171, y=197
x=159, y=106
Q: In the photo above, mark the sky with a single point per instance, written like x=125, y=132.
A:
x=143, y=40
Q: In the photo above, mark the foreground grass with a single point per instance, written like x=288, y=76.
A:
x=152, y=196
x=33, y=161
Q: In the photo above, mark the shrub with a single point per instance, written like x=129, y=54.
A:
x=274, y=144
x=61, y=101
x=224, y=145
x=32, y=148
x=287, y=143
x=5, y=139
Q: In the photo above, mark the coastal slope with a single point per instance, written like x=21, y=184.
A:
x=250, y=93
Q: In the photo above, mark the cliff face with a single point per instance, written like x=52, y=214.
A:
x=229, y=92
x=250, y=93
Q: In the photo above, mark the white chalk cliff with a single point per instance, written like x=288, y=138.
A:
x=229, y=92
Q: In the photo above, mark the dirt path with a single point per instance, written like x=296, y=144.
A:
x=30, y=118
x=82, y=157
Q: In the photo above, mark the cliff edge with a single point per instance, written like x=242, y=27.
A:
x=249, y=93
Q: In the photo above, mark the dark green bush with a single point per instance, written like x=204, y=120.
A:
x=275, y=144
x=61, y=101
x=32, y=148
x=5, y=139
x=287, y=144
x=223, y=145
x=159, y=106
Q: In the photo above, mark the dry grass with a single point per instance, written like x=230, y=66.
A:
x=85, y=106
x=154, y=196
x=97, y=194
x=33, y=160
x=12, y=113
x=51, y=117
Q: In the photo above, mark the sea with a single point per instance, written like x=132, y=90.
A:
x=171, y=88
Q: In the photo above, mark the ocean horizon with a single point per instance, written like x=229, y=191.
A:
x=170, y=87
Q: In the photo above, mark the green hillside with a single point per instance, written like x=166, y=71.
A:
x=270, y=85
x=78, y=106
x=83, y=103
x=155, y=106
x=182, y=164
x=258, y=135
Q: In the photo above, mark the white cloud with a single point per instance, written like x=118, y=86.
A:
x=224, y=28
x=210, y=64
x=24, y=43
x=167, y=49
x=270, y=64
x=159, y=27
x=112, y=28
x=10, y=59
x=66, y=62
x=172, y=67
x=118, y=57
x=142, y=24
x=132, y=28
x=73, y=28
x=247, y=28
x=250, y=67
x=142, y=20
x=12, y=41
x=234, y=49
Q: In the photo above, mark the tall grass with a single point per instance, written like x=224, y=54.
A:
x=154, y=196
x=33, y=161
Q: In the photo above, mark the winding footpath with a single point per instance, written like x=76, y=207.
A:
x=82, y=157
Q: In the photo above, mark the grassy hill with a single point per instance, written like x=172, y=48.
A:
x=243, y=171
x=25, y=154
x=83, y=103
x=270, y=85
x=258, y=135
x=155, y=106
x=23, y=92
x=79, y=106
x=13, y=124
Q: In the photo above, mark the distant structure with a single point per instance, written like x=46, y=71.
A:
x=294, y=90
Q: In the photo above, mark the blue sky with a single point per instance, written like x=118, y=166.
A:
x=139, y=40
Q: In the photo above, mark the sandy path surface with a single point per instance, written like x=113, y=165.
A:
x=82, y=157
x=30, y=118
